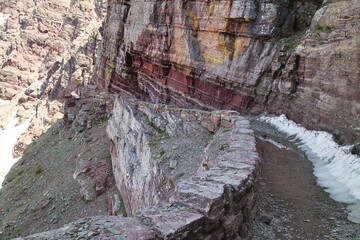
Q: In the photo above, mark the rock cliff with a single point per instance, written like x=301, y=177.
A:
x=183, y=173
x=250, y=56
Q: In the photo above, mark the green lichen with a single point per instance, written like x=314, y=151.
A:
x=38, y=170
x=325, y=29
x=98, y=121
x=148, y=120
x=226, y=130
x=291, y=42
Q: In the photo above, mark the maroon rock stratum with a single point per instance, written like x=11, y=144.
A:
x=189, y=170
x=250, y=56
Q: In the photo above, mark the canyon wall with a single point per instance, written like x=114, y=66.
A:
x=48, y=42
x=244, y=55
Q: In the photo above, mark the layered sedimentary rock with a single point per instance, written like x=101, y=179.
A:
x=238, y=54
x=328, y=92
x=202, y=52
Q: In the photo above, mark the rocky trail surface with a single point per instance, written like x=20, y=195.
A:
x=291, y=204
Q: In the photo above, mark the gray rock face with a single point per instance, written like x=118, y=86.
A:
x=99, y=227
x=178, y=187
x=239, y=55
x=244, y=9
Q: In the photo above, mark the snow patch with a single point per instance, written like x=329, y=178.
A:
x=336, y=169
x=8, y=138
x=3, y=17
x=275, y=143
x=4, y=102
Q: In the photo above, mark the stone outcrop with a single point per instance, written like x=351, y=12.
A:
x=100, y=227
x=64, y=175
x=240, y=55
x=51, y=42
x=83, y=112
x=328, y=91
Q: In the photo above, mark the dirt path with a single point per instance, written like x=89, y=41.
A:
x=288, y=194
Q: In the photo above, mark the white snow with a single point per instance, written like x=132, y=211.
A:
x=8, y=138
x=3, y=17
x=4, y=102
x=277, y=144
x=336, y=169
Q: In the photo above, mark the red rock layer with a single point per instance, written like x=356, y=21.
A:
x=224, y=54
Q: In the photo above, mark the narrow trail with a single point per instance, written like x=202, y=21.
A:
x=289, y=196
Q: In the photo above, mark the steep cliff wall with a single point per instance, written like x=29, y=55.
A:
x=238, y=54
x=328, y=92
x=51, y=42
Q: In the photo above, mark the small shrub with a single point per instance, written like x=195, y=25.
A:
x=108, y=158
x=223, y=146
x=161, y=152
x=148, y=120
x=319, y=28
x=98, y=121
x=161, y=136
x=226, y=130
x=38, y=170
x=18, y=181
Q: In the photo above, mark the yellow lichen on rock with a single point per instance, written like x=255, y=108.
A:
x=241, y=45
x=213, y=47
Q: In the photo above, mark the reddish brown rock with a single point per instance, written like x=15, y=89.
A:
x=44, y=47
x=238, y=55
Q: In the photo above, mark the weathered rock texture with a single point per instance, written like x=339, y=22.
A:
x=87, y=111
x=237, y=54
x=328, y=92
x=100, y=227
x=187, y=192
x=51, y=42
x=213, y=199
x=47, y=49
